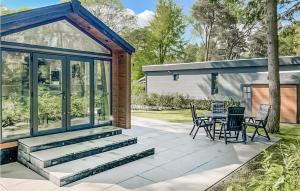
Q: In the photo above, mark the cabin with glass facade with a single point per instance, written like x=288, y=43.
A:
x=62, y=69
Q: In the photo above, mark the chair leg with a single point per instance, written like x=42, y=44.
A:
x=237, y=135
x=267, y=134
x=196, y=132
x=244, y=134
x=221, y=131
x=192, y=129
x=208, y=131
x=255, y=131
x=225, y=135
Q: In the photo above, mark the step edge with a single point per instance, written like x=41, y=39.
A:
x=60, y=143
x=97, y=169
x=128, y=141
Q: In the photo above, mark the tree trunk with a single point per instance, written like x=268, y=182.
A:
x=273, y=66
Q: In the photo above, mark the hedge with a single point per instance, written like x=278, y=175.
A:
x=176, y=101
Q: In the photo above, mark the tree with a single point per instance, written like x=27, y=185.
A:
x=273, y=65
x=166, y=31
x=193, y=53
x=224, y=26
x=112, y=13
x=140, y=39
x=289, y=44
x=204, y=20
x=258, y=44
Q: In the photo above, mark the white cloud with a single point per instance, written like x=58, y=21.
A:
x=144, y=18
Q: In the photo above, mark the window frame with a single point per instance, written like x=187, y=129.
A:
x=214, y=83
x=23, y=48
x=62, y=49
x=175, y=77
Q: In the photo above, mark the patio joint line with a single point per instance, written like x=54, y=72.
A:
x=197, y=167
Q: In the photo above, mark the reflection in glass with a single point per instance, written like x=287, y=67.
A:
x=15, y=95
x=60, y=34
x=49, y=94
x=102, y=91
x=80, y=92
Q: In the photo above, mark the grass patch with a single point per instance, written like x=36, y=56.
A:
x=178, y=116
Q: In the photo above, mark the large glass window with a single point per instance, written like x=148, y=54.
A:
x=15, y=95
x=80, y=92
x=102, y=91
x=60, y=34
x=50, y=93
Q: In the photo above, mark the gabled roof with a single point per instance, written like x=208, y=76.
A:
x=73, y=12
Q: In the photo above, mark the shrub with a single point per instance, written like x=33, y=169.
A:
x=176, y=101
x=15, y=109
x=137, y=88
x=278, y=173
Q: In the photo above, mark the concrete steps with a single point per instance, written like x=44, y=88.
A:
x=61, y=139
x=67, y=157
x=66, y=173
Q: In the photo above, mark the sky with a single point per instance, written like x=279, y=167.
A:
x=144, y=9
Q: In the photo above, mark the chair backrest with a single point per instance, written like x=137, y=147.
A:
x=263, y=112
x=235, y=118
x=194, y=114
x=218, y=107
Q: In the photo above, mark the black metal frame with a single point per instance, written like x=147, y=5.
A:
x=65, y=57
x=234, y=122
x=259, y=122
x=200, y=122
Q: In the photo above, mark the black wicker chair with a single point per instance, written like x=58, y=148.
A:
x=200, y=122
x=234, y=122
x=259, y=121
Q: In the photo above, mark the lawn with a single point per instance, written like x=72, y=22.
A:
x=288, y=134
x=179, y=116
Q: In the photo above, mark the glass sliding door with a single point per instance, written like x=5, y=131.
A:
x=15, y=95
x=102, y=91
x=50, y=93
x=80, y=92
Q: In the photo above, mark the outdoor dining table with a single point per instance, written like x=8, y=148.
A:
x=214, y=117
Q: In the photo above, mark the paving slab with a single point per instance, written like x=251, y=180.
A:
x=182, y=164
x=36, y=141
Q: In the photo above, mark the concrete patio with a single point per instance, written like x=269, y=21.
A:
x=180, y=163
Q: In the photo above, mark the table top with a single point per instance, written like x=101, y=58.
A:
x=215, y=115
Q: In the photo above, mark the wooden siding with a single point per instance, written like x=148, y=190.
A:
x=121, y=89
x=289, y=103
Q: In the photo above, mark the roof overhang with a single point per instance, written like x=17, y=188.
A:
x=73, y=12
x=224, y=64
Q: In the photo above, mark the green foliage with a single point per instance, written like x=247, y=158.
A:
x=141, y=39
x=177, y=101
x=233, y=29
x=14, y=109
x=49, y=105
x=289, y=36
x=137, y=88
x=160, y=42
x=277, y=173
x=193, y=53
x=166, y=31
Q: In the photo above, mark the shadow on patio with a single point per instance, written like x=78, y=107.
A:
x=180, y=163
